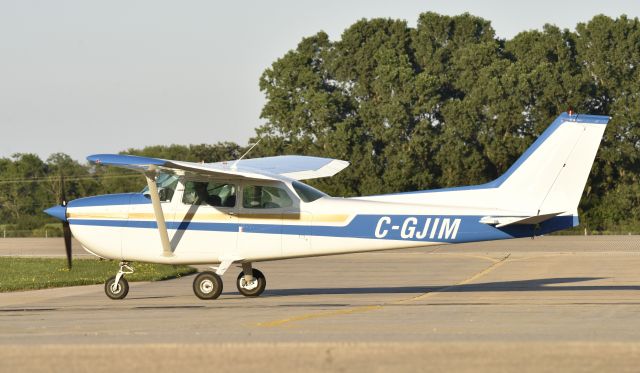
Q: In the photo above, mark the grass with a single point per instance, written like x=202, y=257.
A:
x=39, y=273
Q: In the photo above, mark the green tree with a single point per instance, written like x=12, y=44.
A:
x=21, y=189
x=447, y=103
x=609, y=53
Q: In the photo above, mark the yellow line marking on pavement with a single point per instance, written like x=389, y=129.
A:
x=495, y=265
x=317, y=315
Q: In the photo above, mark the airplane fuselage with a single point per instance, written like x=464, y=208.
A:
x=123, y=227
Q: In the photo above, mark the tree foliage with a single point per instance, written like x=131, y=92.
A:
x=448, y=103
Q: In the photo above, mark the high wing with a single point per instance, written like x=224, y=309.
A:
x=268, y=168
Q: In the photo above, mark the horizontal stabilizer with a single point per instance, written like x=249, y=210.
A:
x=503, y=221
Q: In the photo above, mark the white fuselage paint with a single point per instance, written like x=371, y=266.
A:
x=114, y=231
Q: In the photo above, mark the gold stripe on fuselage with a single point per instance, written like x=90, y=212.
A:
x=322, y=218
x=98, y=215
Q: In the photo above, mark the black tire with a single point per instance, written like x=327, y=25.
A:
x=262, y=284
x=207, y=286
x=116, y=292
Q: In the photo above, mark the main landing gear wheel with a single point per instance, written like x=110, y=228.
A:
x=252, y=288
x=207, y=285
x=117, y=290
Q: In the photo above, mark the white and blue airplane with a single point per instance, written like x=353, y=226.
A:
x=253, y=210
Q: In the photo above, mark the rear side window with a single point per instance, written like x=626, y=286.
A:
x=265, y=197
x=307, y=193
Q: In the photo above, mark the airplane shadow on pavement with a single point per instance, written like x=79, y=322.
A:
x=545, y=284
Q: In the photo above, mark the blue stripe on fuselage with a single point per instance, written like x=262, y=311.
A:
x=428, y=228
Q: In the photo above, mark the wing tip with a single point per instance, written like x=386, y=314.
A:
x=124, y=160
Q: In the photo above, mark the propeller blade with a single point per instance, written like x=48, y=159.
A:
x=63, y=197
x=66, y=230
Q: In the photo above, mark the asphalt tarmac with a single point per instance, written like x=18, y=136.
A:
x=561, y=303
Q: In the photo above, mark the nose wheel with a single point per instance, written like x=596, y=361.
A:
x=117, y=287
x=116, y=290
x=207, y=285
x=251, y=286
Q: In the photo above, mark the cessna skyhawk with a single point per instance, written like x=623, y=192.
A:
x=252, y=210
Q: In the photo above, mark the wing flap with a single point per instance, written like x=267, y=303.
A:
x=298, y=167
x=215, y=169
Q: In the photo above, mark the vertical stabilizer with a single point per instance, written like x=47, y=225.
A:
x=550, y=176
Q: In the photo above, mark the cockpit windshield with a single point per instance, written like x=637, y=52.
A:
x=167, y=184
x=306, y=192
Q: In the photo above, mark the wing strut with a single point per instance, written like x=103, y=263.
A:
x=157, y=211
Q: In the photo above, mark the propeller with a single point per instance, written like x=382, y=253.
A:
x=66, y=230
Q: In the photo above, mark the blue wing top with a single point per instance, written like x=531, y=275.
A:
x=270, y=168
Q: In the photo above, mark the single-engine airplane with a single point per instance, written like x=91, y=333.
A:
x=253, y=210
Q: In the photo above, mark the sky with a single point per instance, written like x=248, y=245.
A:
x=85, y=77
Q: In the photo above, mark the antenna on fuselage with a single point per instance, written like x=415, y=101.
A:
x=235, y=164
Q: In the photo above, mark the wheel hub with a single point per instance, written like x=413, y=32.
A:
x=248, y=285
x=115, y=288
x=206, y=286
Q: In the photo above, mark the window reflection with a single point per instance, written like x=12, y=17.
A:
x=209, y=193
x=265, y=197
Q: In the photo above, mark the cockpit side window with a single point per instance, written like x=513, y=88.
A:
x=265, y=197
x=210, y=193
